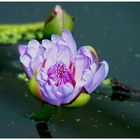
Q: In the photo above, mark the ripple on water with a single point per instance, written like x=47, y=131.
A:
x=106, y=96
x=91, y=119
x=123, y=117
x=118, y=13
x=26, y=95
x=99, y=111
x=11, y=123
x=137, y=55
x=62, y=120
x=0, y=77
x=86, y=8
x=32, y=133
x=78, y=120
x=128, y=126
x=104, y=34
x=95, y=125
x=130, y=49
x=99, y=98
x=110, y=124
x=132, y=104
x=68, y=129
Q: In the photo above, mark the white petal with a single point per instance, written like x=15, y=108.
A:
x=33, y=47
x=68, y=38
x=99, y=76
x=47, y=44
x=25, y=60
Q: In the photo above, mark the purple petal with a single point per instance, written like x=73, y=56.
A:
x=33, y=47
x=29, y=71
x=50, y=96
x=56, y=39
x=63, y=92
x=53, y=94
x=25, y=60
x=35, y=63
x=81, y=62
x=47, y=44
x=51, y=57
x=94, y=54
x=41, y=52
x=22, y=49
x=64, y=55
x=44, y=75
x=48, y=89
x=41, y=76
x=66, y=90
x=64, y=52
x=88, y=76
x=99, y=76
x=58, y=95
x=68, y=38
x=31, y=56
x=90, y=52
x=73, y=95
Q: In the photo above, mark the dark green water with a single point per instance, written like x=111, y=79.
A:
x=113, y=29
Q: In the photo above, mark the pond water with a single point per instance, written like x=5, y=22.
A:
x=113, y=29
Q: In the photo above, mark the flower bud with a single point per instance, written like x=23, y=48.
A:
x=59, y=19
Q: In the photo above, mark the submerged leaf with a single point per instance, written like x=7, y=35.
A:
x=44, y=113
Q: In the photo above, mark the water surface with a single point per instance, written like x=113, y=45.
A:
x=113, y=29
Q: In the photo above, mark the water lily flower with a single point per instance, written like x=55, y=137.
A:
x=59, y=74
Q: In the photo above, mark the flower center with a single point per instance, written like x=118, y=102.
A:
x=60, y=74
